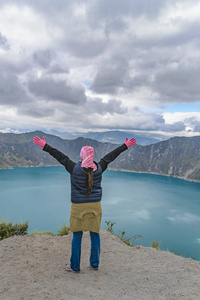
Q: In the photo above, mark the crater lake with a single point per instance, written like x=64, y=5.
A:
x=159, y=208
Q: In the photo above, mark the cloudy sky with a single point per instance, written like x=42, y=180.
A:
x=81, y=65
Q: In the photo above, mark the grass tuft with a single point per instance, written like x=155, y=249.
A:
x=63, y=230
x=156, y=245
x=123, y=236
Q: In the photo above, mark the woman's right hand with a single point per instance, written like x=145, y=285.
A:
x=39, y=142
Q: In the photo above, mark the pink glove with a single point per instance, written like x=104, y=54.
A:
x=39, y=142
x=130, y=142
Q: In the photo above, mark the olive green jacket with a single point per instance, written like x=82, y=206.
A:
x=86, y=217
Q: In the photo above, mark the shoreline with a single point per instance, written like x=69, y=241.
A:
x=110, y=169
x=148, y=173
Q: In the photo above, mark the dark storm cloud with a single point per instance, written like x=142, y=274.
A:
x=43, y=58
x=178, y=84
x=57, y=69
x=3, y=42
x=150, y=121
x=46, y=60
x=112, y=106
x=193, y=123
x=197, y=126
x=110, y=77
x=177, y=126
x=99, y=10
x=104, y=12
x=150, y=55
x=114, y=75
x=187, y=32
x=35, y=110
x=12, y=92
x=61, y=90
x=45, y=7
x=146, y=127
x=150, y=124
x=138, y=81
x=116, y=26
x=85, y=47
x=184, y=33
x=146, y=120
x=15, y=67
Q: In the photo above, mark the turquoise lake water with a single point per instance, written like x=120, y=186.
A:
x=159, y=208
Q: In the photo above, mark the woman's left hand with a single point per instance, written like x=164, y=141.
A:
x=39, y=142
x=130, y=142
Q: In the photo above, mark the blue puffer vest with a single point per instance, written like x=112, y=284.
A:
x=79, y=185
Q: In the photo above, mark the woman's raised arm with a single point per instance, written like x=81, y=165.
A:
x=59, y=156
x=108, y=158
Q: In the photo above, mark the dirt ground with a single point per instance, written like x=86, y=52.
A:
x=33, y=267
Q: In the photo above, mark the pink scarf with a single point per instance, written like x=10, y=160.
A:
x=87, y=155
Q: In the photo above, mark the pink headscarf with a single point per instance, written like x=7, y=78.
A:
x=87, y=155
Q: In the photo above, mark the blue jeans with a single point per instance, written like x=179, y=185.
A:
x=76, y=250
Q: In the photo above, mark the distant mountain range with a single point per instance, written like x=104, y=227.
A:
x=116, y=137
x=178, y=156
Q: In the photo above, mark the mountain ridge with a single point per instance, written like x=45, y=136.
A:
x=114, y=136
x=178, y=156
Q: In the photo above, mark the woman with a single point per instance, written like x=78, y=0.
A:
x=86, y=193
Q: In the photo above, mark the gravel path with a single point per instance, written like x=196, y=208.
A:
x=33, y=267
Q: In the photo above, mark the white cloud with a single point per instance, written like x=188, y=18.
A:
x=24, y=27
x=170, y=118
